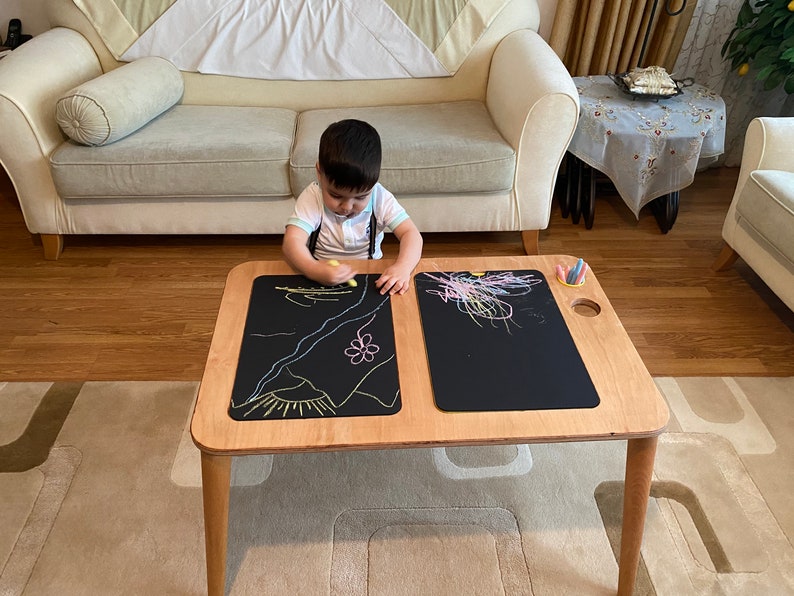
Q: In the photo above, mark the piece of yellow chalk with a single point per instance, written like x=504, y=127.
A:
x=351, y=282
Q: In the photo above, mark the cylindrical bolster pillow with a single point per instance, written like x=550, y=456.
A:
x=118, y=103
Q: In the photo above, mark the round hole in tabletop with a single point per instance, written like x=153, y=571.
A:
x=585, y=307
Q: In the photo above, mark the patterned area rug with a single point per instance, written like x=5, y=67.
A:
x=99, y=484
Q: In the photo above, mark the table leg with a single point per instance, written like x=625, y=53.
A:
x=571, y=180
x=640, y=455
x=215, y=478
x=665, y=209
x=588, y=201
x=575, y=206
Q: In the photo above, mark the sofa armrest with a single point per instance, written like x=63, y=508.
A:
x=32, y=78
x=767, y=146
x=534, y=104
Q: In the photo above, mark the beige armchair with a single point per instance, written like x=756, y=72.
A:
x=759, y=226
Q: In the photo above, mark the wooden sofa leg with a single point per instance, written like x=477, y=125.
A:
x=529, y=238
x=726, y=259
x=53, y=246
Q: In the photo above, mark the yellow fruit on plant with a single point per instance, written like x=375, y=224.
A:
x=791, y=6
x=745, y=68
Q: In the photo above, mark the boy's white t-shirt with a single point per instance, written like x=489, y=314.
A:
x=342, y=237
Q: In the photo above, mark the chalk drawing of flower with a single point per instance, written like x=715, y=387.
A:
x=362, y=349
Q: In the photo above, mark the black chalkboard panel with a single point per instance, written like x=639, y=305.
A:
x=310, y=351
x=497, y=341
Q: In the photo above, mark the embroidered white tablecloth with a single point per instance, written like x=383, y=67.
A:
x=647, y=148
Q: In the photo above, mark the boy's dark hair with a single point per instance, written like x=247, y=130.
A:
x=350, y=155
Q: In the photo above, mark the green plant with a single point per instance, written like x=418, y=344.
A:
x=763, y=41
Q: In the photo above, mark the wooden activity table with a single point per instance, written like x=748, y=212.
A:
x=630, y=407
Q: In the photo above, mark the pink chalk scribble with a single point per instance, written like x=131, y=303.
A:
x=481, y=296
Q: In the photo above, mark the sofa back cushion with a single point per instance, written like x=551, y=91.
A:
x=442, y=148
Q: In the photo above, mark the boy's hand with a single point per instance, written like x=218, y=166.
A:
x=394, y=280
x=332, y=273
x=397, y=277
x=296, y=253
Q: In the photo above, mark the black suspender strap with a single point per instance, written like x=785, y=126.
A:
x=313, y=239
x=373, y=232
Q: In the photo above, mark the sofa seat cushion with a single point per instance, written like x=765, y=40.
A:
x=189, y=151
x=427, y=149
x=767, y=205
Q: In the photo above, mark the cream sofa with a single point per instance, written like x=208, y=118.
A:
x=476, y=151
x=759, y=226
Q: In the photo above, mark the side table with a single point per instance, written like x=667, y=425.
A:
x=649, y=149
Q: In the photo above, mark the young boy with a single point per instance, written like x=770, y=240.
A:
x=344, y=214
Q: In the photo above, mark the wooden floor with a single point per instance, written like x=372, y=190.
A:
x=143, y=308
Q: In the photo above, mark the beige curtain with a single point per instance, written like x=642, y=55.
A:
x=598, y=36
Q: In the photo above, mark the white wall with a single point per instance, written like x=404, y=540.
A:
x=30, y=12
x=34, y=19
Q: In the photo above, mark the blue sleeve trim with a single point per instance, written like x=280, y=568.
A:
x=299, y=223
x=398, y=220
